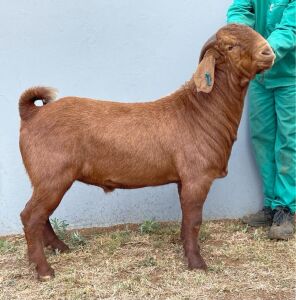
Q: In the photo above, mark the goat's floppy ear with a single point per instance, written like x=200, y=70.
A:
x=205, y=74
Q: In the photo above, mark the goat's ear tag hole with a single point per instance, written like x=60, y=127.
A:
x=208, y=78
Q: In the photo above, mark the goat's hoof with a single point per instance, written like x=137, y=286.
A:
x=60, y=247
x=197, y=264
x=63, y=248
x=46, y=276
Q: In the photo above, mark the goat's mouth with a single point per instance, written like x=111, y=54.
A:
x=263, y=66
x=265, y=58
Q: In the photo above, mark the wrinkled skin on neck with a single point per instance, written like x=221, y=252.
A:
x=213, y=118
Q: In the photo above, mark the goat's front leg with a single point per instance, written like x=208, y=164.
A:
x=192, y=197
x=182, y=223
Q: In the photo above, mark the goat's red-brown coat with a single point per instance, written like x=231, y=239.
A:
x=185, y=138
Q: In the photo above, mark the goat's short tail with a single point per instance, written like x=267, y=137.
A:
x=27, y=108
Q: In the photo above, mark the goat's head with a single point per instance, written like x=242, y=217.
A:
x=243, y=51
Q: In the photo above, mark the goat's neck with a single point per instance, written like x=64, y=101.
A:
x=227, y=96
x=217, y=114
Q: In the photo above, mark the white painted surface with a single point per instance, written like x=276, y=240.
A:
x=132, y=50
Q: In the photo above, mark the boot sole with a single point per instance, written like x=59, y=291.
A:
x=281, y=237
x=257, y=224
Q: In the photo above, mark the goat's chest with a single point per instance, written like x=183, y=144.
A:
x=200, y=159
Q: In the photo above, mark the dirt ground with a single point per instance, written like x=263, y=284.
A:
x=146, y=262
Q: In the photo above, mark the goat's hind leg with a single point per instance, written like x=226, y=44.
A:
x=34, y=218
x=51, y=240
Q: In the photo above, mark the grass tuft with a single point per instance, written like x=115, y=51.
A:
x=6, y=247
x=76, y=239
x=148, y=262
x=149, y=227
x=118, y=239
x=59, y=227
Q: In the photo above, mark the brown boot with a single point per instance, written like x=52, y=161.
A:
x=261, y=218
x=283, y=224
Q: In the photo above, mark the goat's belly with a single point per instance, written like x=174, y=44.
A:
x=129, y=179
x=110, y=185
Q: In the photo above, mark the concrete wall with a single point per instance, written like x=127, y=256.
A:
x=116, y=50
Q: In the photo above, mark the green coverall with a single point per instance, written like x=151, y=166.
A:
x=273, y=98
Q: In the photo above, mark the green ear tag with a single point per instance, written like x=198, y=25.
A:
x=208, y=78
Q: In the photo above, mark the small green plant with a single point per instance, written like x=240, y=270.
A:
x=204, y=232
x=60, y=227
x=118, y=239
x=148, y=262
x=5, y=247
x=257, y=235
x=149, y=227
x=245, y=228
x=239, y=227
x=217, y=267
x=122, y=236
x=76, y=239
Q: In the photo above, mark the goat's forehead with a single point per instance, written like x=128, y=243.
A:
x=236, y=32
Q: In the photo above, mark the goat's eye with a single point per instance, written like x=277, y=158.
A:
x=229, y=47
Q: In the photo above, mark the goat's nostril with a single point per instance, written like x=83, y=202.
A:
x=266, y=52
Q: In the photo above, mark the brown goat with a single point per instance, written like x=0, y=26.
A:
x=184, y=138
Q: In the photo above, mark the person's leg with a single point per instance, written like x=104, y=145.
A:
x=285, y=157
x=263, y=133
x=285, y=148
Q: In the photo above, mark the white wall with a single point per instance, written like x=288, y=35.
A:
x=116, y=50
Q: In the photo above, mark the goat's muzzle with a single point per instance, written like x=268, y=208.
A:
x=265, y=57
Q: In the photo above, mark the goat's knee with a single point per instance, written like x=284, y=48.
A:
x=25, y=216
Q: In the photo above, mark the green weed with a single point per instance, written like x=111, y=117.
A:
x=149, y=227
x=59, y=227
x=6, y=247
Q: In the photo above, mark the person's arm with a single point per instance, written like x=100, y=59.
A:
x=242, y=12
x=282, y=39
